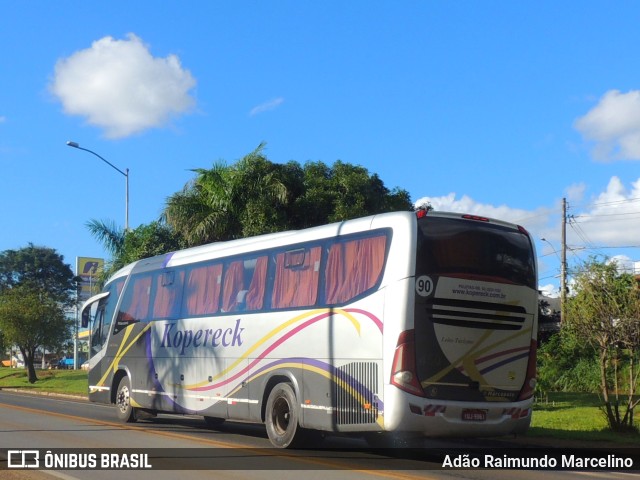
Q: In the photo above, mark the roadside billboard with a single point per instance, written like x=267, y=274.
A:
x=89, y=270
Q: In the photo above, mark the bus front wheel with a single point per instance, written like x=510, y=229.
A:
x=126, y=412
x=282, y=415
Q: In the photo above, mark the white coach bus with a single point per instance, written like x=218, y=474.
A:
x=409, y=322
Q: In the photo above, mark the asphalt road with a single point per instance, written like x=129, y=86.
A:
x=66, y=430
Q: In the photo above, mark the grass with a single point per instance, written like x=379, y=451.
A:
x=70, y=382
x=559, y=416
x=575, y=416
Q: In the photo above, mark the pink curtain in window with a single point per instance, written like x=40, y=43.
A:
x=255, y=295
x=296, y=286
x=233, y=283
x=139, y=309
x=369, y=263
x=353, y=267
x=202, y=294
x=167, y=297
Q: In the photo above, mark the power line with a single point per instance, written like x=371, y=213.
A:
x=612, y=202
x=590, y=215
x=605, y=247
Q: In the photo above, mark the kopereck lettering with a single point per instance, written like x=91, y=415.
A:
x=207, y=337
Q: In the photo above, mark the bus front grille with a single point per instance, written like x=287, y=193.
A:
x=356, y=400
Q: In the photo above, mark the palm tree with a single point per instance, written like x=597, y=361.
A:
x=147, y=240
x=112, y=238
x=228, y=202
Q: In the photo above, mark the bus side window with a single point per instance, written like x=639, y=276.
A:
x=353, y=267
x=254, y=299
x=135, y=303
x=104, y=316
x=98, y=336
x=233, y=289
x=245, y=283
x=202, y=290
x=296, y=279
x=168, y=294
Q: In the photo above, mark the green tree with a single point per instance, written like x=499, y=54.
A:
x=228, y=202
x=155, y=238
x=251, y=197
x=3, y=346
x=566, y=364
x=604, y=313
x=32, y=319
x=341, y=192
x=36, y=287
x=109, y=234
x=256, y=196
x=41, y=268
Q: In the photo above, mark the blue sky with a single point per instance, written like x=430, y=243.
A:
x=499, y=108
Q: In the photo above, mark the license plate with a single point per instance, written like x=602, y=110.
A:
x=469, y=415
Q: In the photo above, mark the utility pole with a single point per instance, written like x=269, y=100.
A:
x=563, y=264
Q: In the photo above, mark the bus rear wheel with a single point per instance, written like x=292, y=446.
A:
x=281, y=417
x=125, y=411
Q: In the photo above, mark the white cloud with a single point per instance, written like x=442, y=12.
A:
x=532, y=220
x=624, y=264
x=576, y=192
x=549, y=290
x=613, y=126
x=119, y=86
x=611, y=219
x=265, y=107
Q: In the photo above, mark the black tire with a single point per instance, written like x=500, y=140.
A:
x=282, y=417
x=213, y=421
x=126, y=413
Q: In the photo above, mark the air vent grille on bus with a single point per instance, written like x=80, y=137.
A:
x=473, y=314
x=355, y=396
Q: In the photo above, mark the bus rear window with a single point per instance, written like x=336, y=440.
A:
x=456, y=247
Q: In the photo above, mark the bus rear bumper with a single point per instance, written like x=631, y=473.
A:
x=454, y=419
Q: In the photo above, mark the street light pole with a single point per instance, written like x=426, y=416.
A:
x=563, y=264
x=125, y=174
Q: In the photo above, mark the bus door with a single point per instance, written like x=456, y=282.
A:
x=103, y=305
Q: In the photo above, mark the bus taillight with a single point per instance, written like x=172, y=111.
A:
x=475, y=217
x=403, y=371
x=530, y=379
x=523, y=230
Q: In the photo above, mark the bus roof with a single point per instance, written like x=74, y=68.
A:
x=273, y=240
x=472, y=217
x=282, y=239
